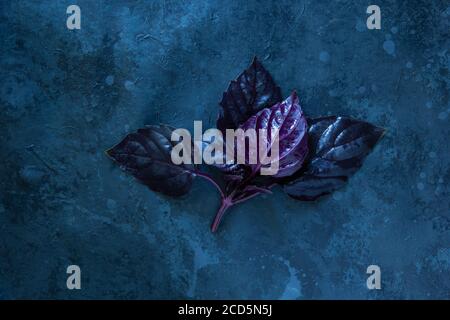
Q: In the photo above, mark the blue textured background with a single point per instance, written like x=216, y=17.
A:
x=72, y=94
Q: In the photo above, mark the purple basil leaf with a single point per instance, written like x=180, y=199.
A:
x=288, y=120
x=146, y=155
x=337, y=148
x=253, y=90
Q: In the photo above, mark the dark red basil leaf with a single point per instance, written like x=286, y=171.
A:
x=337, y=148
x=287, y=119
x=146, y=155
x=231, y=171
x=253, y=90
x=234, y=171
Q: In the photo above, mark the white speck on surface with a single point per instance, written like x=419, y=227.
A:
x=324, y=56
x=362, y=89
x=109, y=80
x=293, y=289
x=394, y=30
x=129, y=85
x=202, y=258
x=111, y=204
x=360, y=26
x=88, y=118
x=409, y=65
x=442, y=115
x=432, y=154
x=333, y=93
x=389, y=47
x=337, y=196
x=429, y=104
x=423, y=175
x=420, y=186
x=32, y=174
x=446, y=12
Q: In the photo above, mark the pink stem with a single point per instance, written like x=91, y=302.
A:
x=210, y=179
x=247, y=198
x=226, y=203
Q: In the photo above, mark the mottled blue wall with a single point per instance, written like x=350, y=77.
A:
x=72, y=94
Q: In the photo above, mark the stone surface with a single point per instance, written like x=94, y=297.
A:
x=73, y=94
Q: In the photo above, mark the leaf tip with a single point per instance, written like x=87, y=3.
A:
x=380, y=132
x=294, y=94
x=110, y=153
x=294, y=97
